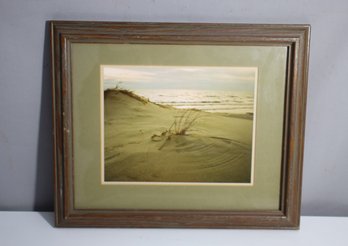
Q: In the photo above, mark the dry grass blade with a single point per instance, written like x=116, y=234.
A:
x=181, y=125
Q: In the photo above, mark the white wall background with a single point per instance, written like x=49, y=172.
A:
x=25, y=89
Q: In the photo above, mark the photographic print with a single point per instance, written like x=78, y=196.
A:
x=186, y=124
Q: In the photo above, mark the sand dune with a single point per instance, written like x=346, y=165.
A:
x=140, y=146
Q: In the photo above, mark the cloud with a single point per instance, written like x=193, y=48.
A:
x=185, y=77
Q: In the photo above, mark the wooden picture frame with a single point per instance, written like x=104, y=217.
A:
x=75, y=42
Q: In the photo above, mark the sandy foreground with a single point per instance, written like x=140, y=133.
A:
x=141, y=143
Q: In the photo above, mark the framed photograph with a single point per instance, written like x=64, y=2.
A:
x=188, y=125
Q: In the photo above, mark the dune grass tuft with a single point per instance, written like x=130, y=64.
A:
x=184, y=122
x=129, y=93
x=180, y=127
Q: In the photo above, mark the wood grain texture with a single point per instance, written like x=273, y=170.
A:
x=294, y=37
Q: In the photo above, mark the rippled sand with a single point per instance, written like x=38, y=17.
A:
x=217, y=148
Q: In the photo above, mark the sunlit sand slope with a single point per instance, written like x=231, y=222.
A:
x=142, y=144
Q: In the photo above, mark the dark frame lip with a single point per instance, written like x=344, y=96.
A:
x=296, y=37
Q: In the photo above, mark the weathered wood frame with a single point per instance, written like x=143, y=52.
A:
x=295, y=37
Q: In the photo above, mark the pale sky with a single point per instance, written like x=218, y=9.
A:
x=183, y=77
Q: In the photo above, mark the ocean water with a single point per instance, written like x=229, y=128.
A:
x=231, y=102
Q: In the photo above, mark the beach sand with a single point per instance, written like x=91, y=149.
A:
x=138, y=146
